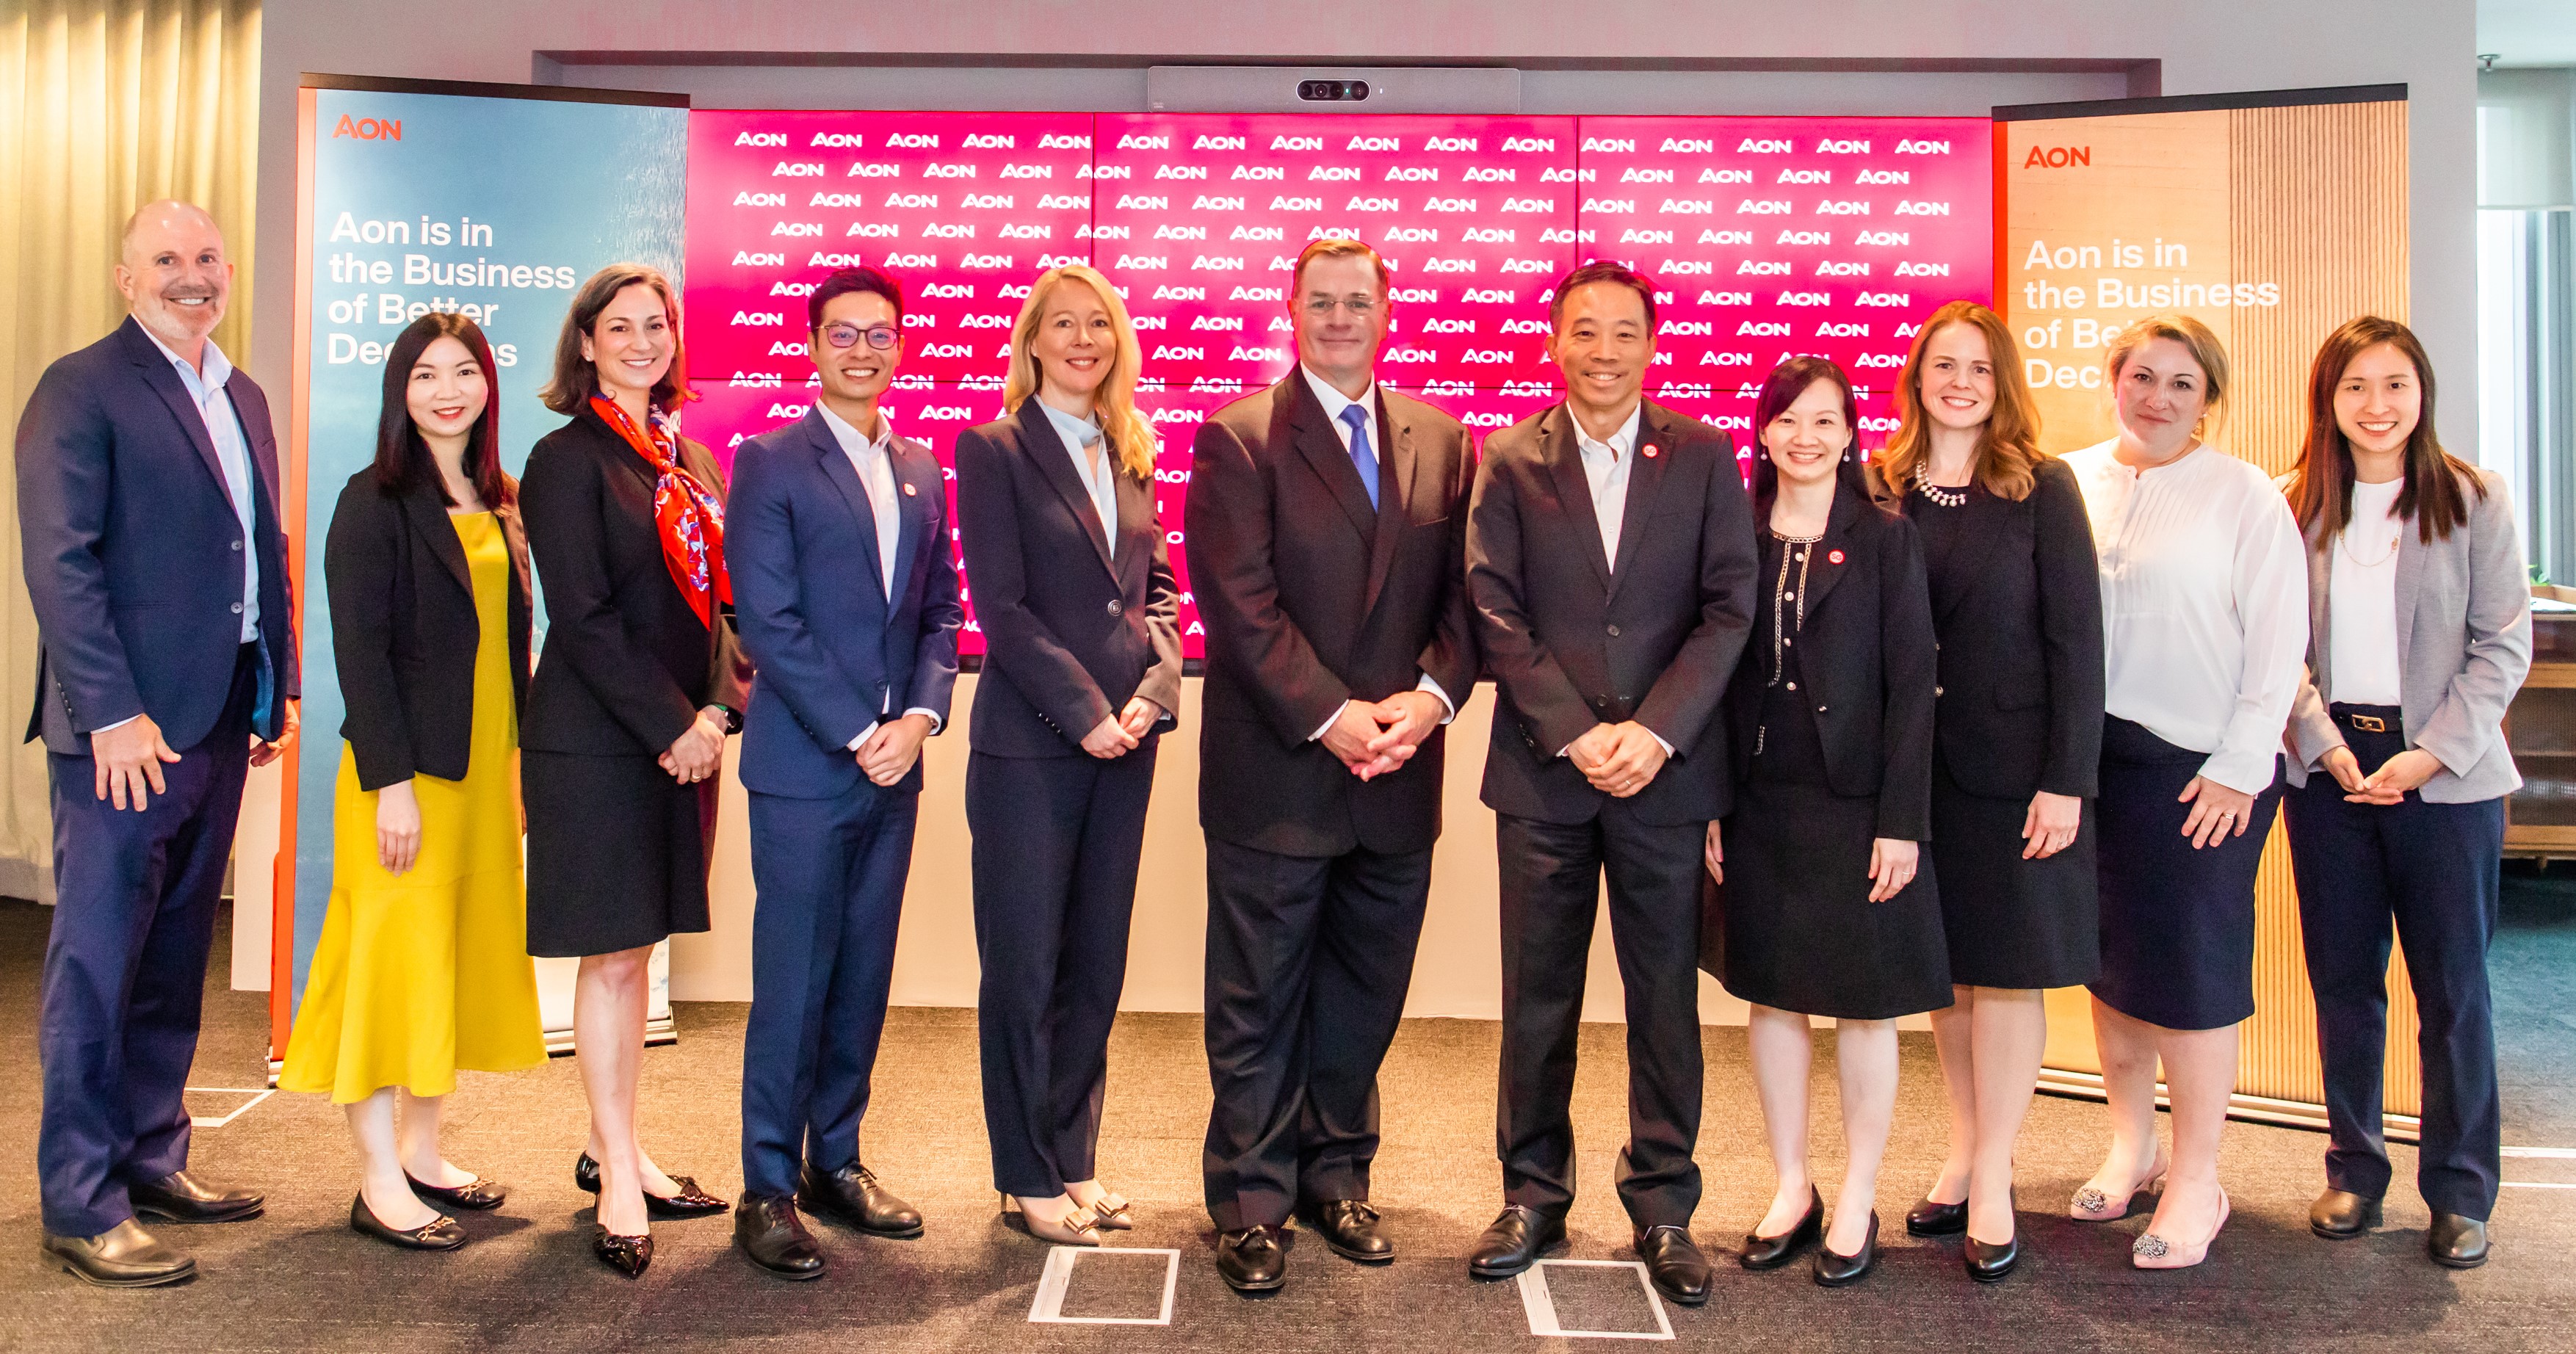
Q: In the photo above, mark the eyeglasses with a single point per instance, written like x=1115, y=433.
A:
x=1360, y=307
x=879, y=336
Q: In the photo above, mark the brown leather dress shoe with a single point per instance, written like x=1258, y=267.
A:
x=767, y=1229
x=181, y=1197
x=852, y=1195
x=123, y=1256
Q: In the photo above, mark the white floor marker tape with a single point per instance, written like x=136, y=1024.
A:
x=256, y=1094
x=1541, y=1305
x=1048, y=1305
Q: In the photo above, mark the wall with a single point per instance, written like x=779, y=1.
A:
x=1897, y=56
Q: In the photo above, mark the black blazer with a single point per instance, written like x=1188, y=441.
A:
x=627, y=665
x=1868, y=661
x=2018, y=606
x=134, y=553
x=1070, y=633
x=404, y=629
x=1572, y=642
x=1310, y=598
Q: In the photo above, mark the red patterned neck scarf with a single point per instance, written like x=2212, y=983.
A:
x=689, y=514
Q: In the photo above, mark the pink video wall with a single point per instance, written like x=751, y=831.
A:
x=1766, y=237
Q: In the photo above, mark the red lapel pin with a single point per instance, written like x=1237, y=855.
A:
x=1834, y=557
x=1647, y=451
x=912, y=490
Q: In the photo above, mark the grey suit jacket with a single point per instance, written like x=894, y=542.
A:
x=2463, y=646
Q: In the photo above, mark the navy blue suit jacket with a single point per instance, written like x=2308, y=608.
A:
x=833, y=654
x=134, y=552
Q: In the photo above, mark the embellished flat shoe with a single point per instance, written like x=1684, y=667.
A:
x=478, y=1194
x=2093, y=1204
x=438, y=1234
x=2151, y=1251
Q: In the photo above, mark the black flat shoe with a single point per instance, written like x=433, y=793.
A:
x=1349, y=1228
x=1771, y=1252
x=1674, y=1264
x=2341, y=1215
x=1253, y=1260
x=1932, y=1218
x=124, y=1256
x=1989, y=1264
x=1514, y=1242
x=852, y=1195
x=438, y=1234
x=2456, y=1242
x=690, y=1202
x=181, y=1197
x=1837, y=1271
x=628, y=1255
x=482, y=1196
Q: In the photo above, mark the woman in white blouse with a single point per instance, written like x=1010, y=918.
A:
x=2204, y=623
x=2422, y=619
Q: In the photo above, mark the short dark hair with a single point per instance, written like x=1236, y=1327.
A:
x=842, y=282
x=1602, y=270
x=402, y=457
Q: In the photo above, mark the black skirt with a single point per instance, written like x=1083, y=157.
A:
x=2177, y=929
x=617, y=852
x=2011, y=922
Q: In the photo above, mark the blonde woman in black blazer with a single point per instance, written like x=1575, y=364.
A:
x=1075, y=594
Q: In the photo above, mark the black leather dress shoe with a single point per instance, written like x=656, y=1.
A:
x=123, y=1256
x=1673, y=1261
x=1990, y=1263
x=1930, y=1218
x=1254, y=1260
x=1349, y=1228
x=438, y=1234
x=2341, y=1215
x=690, y=1202
x=1771, y=1252
x=1514, y=1241
x=482, y=1196
x=2456, y=1242
x=852, y=1195
x=767, y=1229
x=1835, y=1270
x=181, y=1197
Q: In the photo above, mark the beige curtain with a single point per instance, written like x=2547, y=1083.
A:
x=104, y=105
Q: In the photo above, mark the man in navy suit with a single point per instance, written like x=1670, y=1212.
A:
x=147, y=503
x=836, y=534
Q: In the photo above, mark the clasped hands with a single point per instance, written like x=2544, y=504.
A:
x=1619, y=759
x=1373, y=738
x=1118, y=734
x=2406, y=771
x=698, y=753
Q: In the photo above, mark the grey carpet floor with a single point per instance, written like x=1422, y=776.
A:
x=299, y=1279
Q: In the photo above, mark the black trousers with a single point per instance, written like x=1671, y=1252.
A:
x=2432, y=870
x=1308, y=959
x=1551, y=887
x=1057, y=840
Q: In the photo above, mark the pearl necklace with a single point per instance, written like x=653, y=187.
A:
x=1948, y=498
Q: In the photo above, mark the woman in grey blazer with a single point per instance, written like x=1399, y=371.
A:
x=2419, y=634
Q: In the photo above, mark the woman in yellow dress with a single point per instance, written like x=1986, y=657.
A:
x=423, y=965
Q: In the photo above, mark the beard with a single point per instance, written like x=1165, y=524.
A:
x=174, y=323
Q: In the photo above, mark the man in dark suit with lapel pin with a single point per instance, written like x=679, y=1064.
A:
x=1611, y=565
x=1326, y=539
x=148, y=511
x=836, y=534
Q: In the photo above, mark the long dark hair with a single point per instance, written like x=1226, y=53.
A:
x=2321, y=484
x=1781, y=389
x=575, y=380
x=402, y=457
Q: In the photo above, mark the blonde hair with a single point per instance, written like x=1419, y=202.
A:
x=2205, y=350
x=2008, y=444
x=1130, y=435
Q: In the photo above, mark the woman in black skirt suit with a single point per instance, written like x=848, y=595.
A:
x=2018, y=740
x=640, y=681
x=1821, y=911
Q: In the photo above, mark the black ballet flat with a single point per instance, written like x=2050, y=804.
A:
x=1933, y=1218
x=690, y=1202
x=1771, y=1252
x=1835, y=1270
x=480, y=1195
x=628, y=1255
x=438, y=1234
x=1989, y=1263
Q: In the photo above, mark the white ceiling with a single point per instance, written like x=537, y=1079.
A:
x=2528, y=32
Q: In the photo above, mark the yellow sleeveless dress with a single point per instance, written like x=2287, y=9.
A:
x=422, y=973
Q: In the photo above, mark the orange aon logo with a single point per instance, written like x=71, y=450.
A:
x=368, y=129
x=2058, y=157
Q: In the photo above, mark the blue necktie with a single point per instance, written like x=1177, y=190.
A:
x=1357, y=416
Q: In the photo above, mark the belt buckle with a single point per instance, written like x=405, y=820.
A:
x=2369, y=723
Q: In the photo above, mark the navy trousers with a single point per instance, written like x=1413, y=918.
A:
x=830, y=875
x=1057, y=840
x=2432, y=870
x=135, y=896
x=1308, y=960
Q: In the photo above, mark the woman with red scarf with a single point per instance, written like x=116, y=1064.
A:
x=639, y=683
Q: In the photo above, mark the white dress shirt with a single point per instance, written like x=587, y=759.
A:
x=2363, y=593
x=873, y=458
x=1101, y=484
x=1334, y=403
x=1605, y=468
x=2204, y=604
